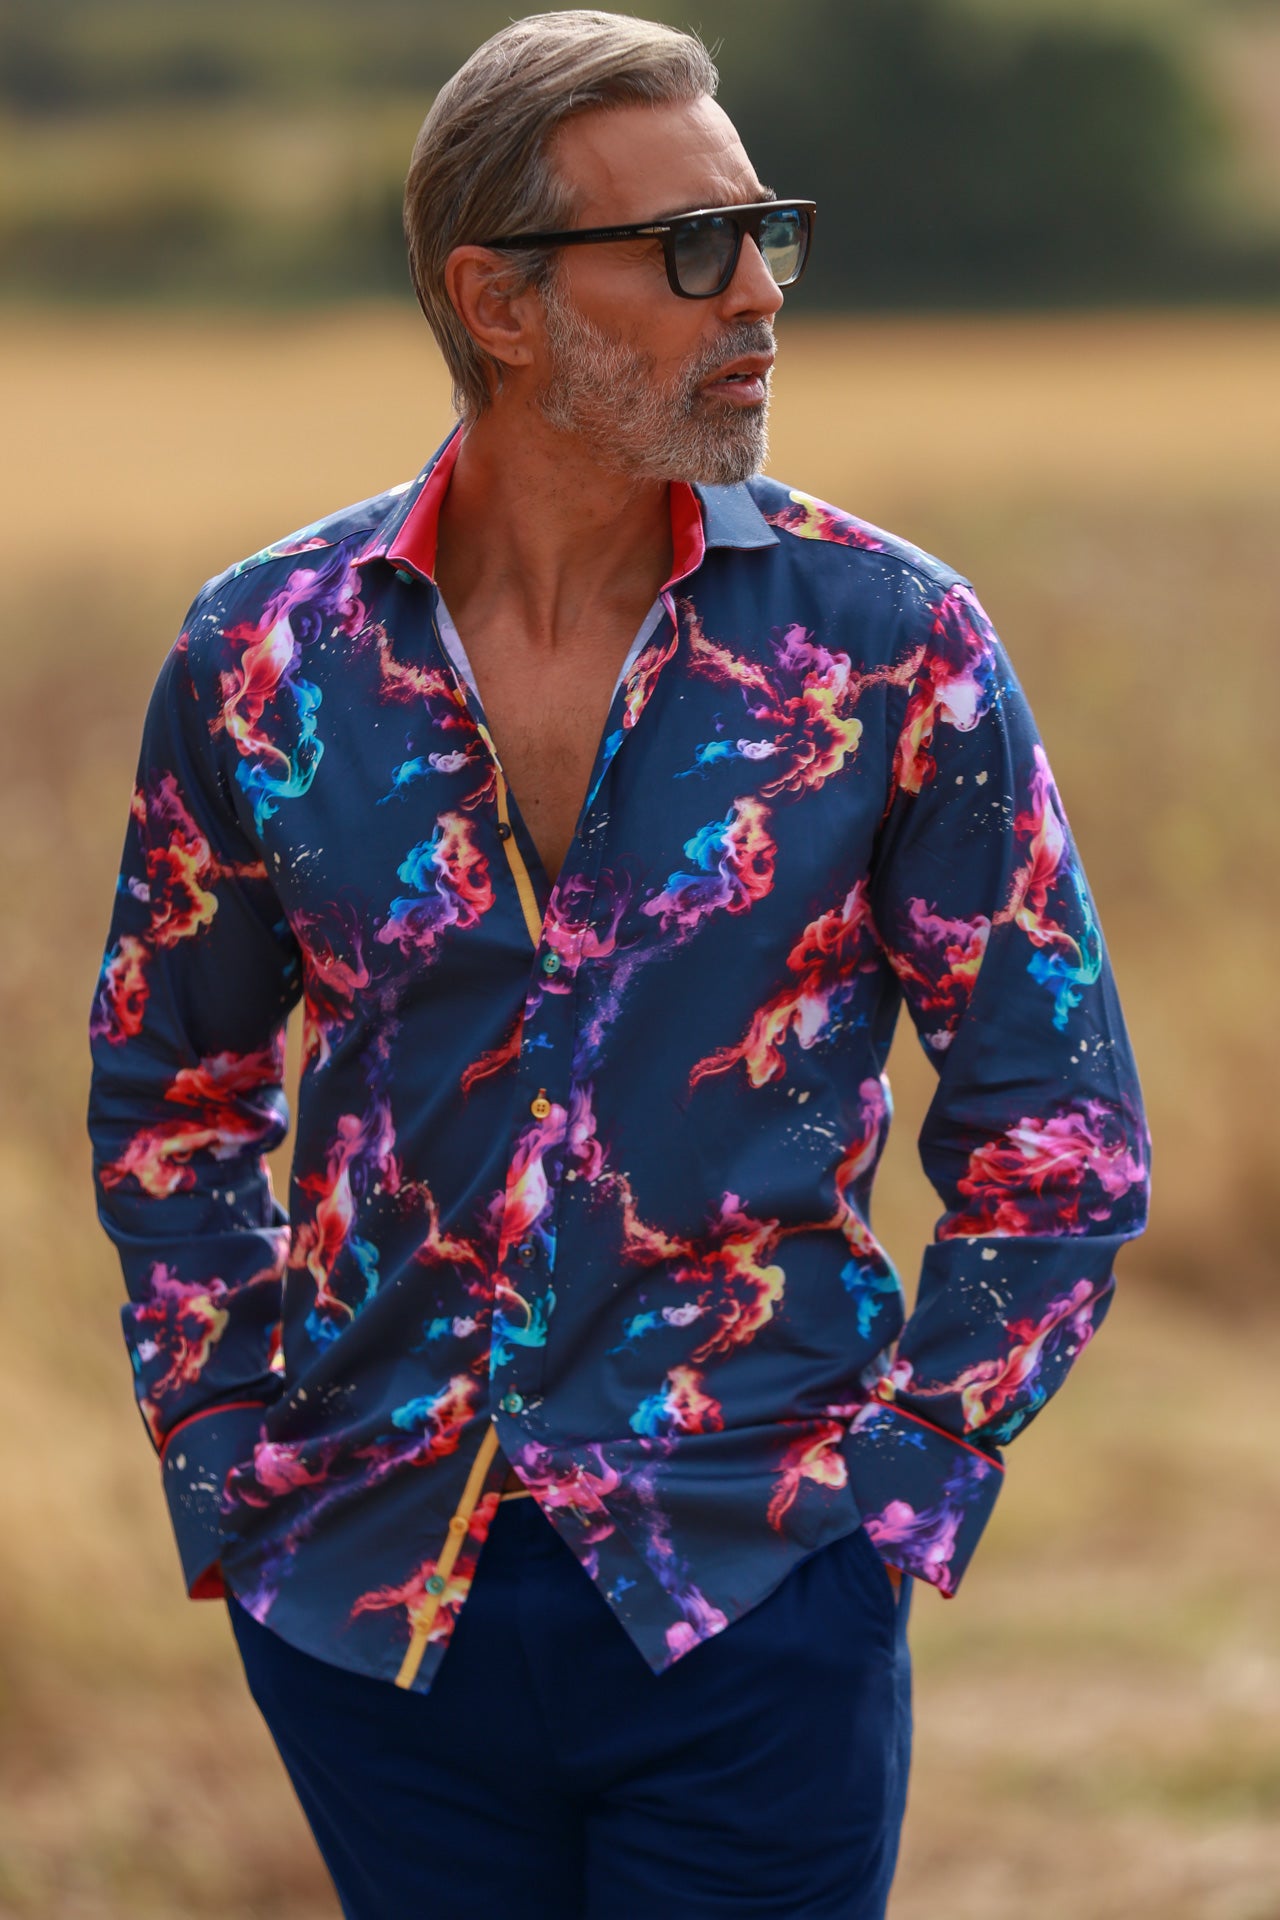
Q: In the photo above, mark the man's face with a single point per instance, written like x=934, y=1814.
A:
x=639, y=374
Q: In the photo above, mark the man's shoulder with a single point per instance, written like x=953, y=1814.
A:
x=802, y=517
x=349, y=527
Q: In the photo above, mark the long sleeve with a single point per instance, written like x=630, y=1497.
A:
x=187, y=1032
x=1035, y=1140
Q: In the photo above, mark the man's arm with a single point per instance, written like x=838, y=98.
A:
x=187, y=1032
x=1035, y=1140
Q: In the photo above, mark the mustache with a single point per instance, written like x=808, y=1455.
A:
x=749, y=336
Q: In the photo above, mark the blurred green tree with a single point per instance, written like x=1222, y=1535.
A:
x=962, y=158
x=961, y=155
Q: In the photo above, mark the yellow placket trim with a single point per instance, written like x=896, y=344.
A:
x=515, y=859
x=425, y=1618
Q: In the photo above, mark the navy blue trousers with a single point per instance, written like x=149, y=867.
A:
x=549, y=1774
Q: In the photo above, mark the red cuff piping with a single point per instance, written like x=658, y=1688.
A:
x=205, y=1413
x=891, y=1407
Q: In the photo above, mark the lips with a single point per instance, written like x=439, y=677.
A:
x=751, y=366
x=743, y=381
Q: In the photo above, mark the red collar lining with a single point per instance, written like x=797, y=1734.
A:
x=415, y=544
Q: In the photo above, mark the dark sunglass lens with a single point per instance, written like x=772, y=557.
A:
x=703, y=250
x=784, y=240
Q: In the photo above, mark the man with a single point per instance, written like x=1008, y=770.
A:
x=564, y=1458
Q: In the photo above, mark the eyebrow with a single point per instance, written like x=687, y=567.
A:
x=677, y=213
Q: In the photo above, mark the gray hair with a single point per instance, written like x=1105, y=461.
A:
x=480, y=164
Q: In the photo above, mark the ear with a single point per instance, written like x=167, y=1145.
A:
x=504, y=323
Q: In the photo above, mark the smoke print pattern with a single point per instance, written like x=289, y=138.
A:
x=951, y=681
x=868, y=1275
x=826, y=960
x=1063, y=963
x=733, y=860
x=269, y=710
x=679, y=1406
x=175, y=1327
x=937, y=960
x=924, y=1539
x=1000, y=1395
x=229, y=1104
x=812, y=519
x=1054, y=1174
x=361, y=1153
x=813, y=1456
x=450, y=878
x=803, y=704
x=338, y=1468
x=335, y=975
x=177, y=883
x=417, y=1600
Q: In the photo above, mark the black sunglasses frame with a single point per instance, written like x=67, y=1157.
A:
x=746, y=218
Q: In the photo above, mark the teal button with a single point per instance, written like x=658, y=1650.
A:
x=551, y=963
x=436, y=1583
x=511, y=1402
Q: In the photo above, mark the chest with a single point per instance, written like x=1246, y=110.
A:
x=546, y=713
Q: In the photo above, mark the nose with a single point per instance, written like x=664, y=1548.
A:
x=753, y=291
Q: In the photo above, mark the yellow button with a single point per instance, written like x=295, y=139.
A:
x=540, y=1107
x=459, y=1523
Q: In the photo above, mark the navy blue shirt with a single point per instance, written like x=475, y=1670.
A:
x=582, y=1171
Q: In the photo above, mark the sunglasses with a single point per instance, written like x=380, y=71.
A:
x=701, y=249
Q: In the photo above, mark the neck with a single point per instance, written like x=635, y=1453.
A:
x=532, y=522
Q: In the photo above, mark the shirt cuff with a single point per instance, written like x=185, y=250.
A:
x=924, y=1496
x=195, y=1460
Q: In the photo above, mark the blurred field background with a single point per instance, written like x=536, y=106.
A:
x=1099, y=1711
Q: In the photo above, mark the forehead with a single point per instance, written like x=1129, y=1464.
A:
x=633, y=163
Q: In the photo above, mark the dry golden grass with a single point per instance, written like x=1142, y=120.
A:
x=210, y=430
x=1099, y=1710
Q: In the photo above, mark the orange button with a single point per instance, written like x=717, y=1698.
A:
x=540, y=1107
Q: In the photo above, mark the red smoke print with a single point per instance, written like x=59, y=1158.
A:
x=414, y=1597
x=1013, y=1378
x=952, y=683
x=938, y=963
x=181, y=1322
x=1032, y=1178
x=815, y=1456
x=1041, y=826
x=643, y=674
x=735, y=857
x=181, y=873
x=331, y=980
x=825, y=958
x=813, y=730
x=221, y=1119
x=679, y=1406
x=813, y=519
x=367, y=1141
x=856, y=1164
x=451, y=878
x=495, y=1060
x=526, y=1200
x=407, y=683
x=728, y=1271
x=122, y=992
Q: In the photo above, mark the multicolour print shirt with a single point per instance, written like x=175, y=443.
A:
x=582, y=1171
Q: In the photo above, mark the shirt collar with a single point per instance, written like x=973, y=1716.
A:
x=701, y=517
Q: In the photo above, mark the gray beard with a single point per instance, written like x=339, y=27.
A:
x=605, y=394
